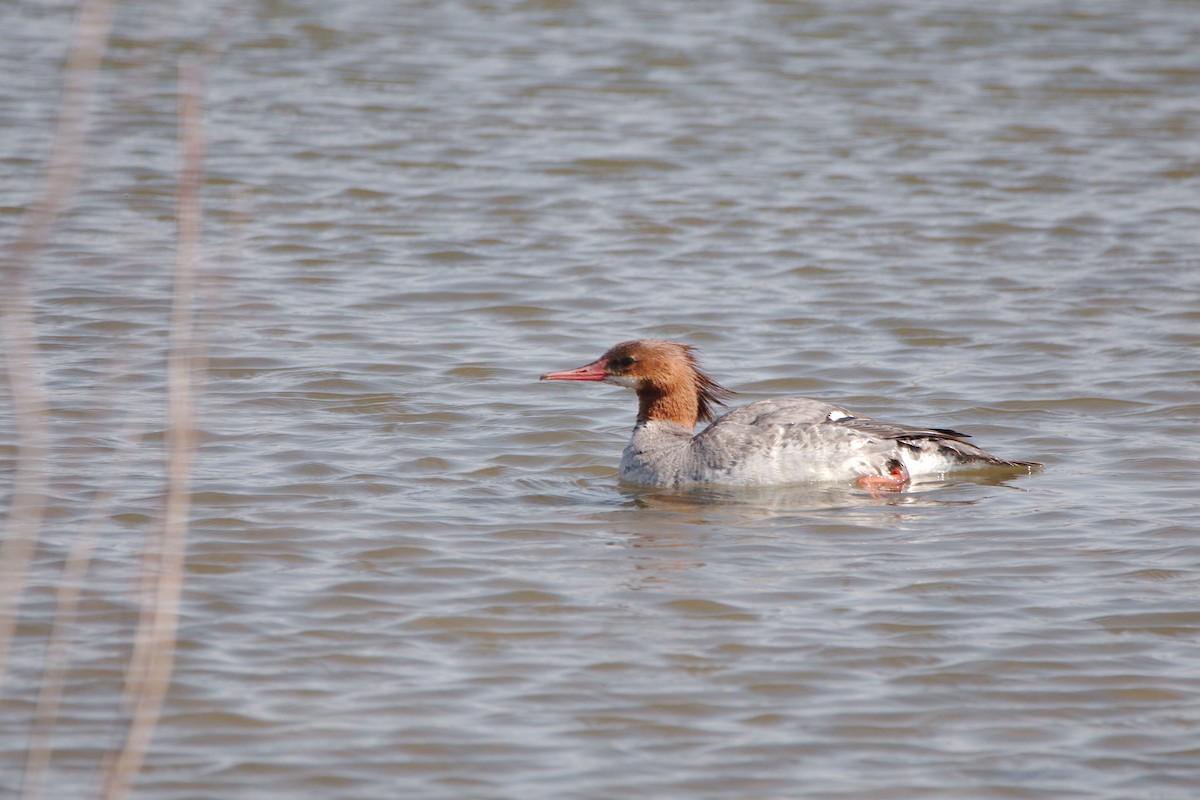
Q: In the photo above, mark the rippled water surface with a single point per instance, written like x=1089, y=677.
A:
x=411, y=570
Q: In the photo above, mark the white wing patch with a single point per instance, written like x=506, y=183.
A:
x=835, y=415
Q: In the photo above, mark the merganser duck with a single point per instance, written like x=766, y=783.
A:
x=770, y=442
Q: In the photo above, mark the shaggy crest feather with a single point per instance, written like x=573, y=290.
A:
x=708, y=391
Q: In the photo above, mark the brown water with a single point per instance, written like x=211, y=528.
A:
x=411, y=569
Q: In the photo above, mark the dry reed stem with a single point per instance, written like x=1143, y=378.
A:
x=17, y=325
x=149, y=672
x=154, y=651
x=192, y=148
x=58, y=650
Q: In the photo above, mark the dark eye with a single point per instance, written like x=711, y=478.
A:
x=625, y=361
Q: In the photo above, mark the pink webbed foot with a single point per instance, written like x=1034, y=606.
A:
x=896, y=479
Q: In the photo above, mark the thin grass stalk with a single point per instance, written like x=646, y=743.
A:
x=59, y=648
x=17, y=326
x=154, y=651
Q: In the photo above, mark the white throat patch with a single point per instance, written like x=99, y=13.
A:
x=621, y=380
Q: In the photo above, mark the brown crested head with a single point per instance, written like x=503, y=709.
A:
x=667, y=378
